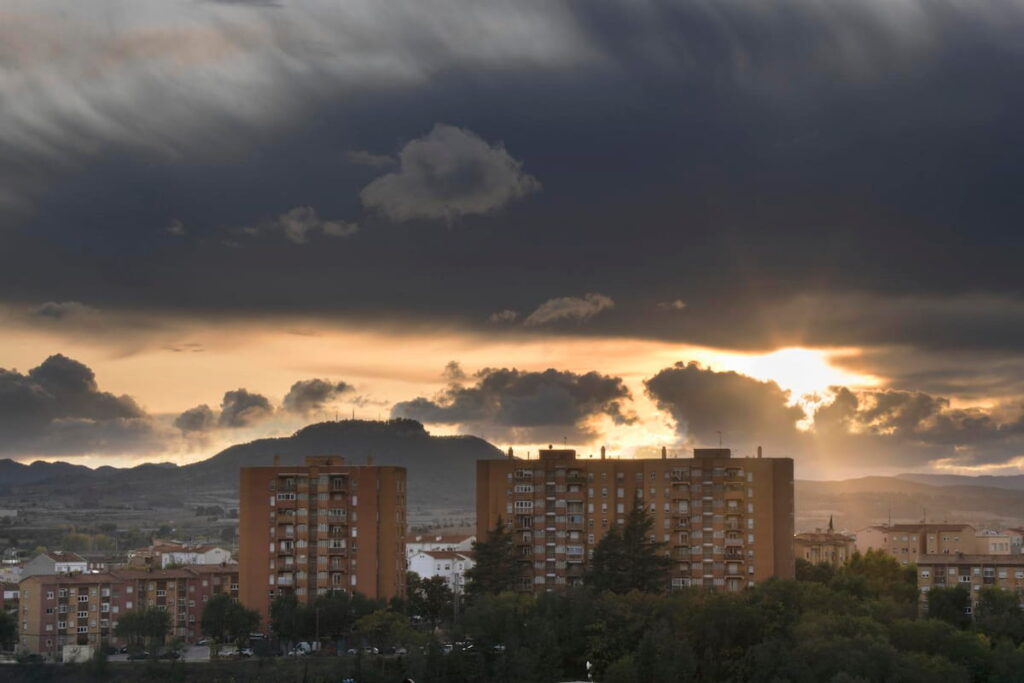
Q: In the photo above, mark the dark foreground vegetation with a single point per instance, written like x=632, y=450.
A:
x=859, y=623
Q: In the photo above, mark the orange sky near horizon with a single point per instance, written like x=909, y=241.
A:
x=180, y=364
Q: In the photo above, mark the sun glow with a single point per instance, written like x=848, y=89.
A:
x=802, y=371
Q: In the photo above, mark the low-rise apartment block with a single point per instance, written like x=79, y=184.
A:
x=973, y=572
x=320, y=527
x=82, y=609
x=908, y=542
x=727, y=522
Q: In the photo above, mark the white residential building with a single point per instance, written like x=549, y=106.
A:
x=458, y=543
x=449, y=564
x=55, y=562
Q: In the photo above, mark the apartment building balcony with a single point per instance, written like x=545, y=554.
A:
x=285, y=580
x=735, y=541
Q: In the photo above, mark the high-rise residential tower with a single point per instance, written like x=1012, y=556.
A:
x=320, y=527
x=727, y=522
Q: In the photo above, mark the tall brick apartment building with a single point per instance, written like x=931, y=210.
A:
x=728, y=522
x=319, y=527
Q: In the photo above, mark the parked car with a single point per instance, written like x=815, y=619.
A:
x=246, y=652
x=169, y=654
x=142, y=654
x=368, y=650
x=401, y=651
x=203, y=641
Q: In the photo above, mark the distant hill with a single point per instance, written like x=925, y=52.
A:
x=442, y=473
x=1012, y=481
x=856, y=503
x=441, y=469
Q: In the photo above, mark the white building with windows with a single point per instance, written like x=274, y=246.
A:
x=458, y=543
x=449, y=564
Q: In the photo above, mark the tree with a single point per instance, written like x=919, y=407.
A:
x=8, y=630
x=286, y=618
x=821, y=572
x=148, y=625
x=630, y=558
x=950, y=605
x=383, y=628
x=496, y=568
x=998, y=614
x=226, y=620
x=430, y=598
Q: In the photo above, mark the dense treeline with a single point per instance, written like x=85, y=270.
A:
x=861, y=622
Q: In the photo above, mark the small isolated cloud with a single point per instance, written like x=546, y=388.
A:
x=302, y=221
x=62, y=310
x=531, y=407
x=453, y=371
x=310, y=395
x=196, y=420
x=447, y=174
x=676, y=305
x=363, y=158
x=176, y=228
x=569, y=308
x=240, y=408
x=505, y=316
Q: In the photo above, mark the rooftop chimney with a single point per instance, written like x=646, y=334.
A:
x=664, y=453
x=510, y=453
x=602, y=452
x=277, y=460
x=759, y=451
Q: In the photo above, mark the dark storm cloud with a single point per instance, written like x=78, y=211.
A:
x=311, y=395
x=448, y=173
x=868, y=428
x=517, y=405
x=240, y=408
x=198, y=419
x=916, y=428
x=795, y=172
x=704, y=403
x=58, y=408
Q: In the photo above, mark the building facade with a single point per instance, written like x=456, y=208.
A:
x=908, y=542
x=55, y=562
x=826, y=547
x=448, y=564
x=164, y=554
x=727, y=522
x=458, y=543
x=82, y=609
x=992, y=542
x=320, y=527
x=973, y=572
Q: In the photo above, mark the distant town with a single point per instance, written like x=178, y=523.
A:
x=325, y=562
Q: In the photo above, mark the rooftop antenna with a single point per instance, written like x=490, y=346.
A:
x=719, y=439
x=565, y=441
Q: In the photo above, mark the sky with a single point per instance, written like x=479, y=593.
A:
x=630, y=223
